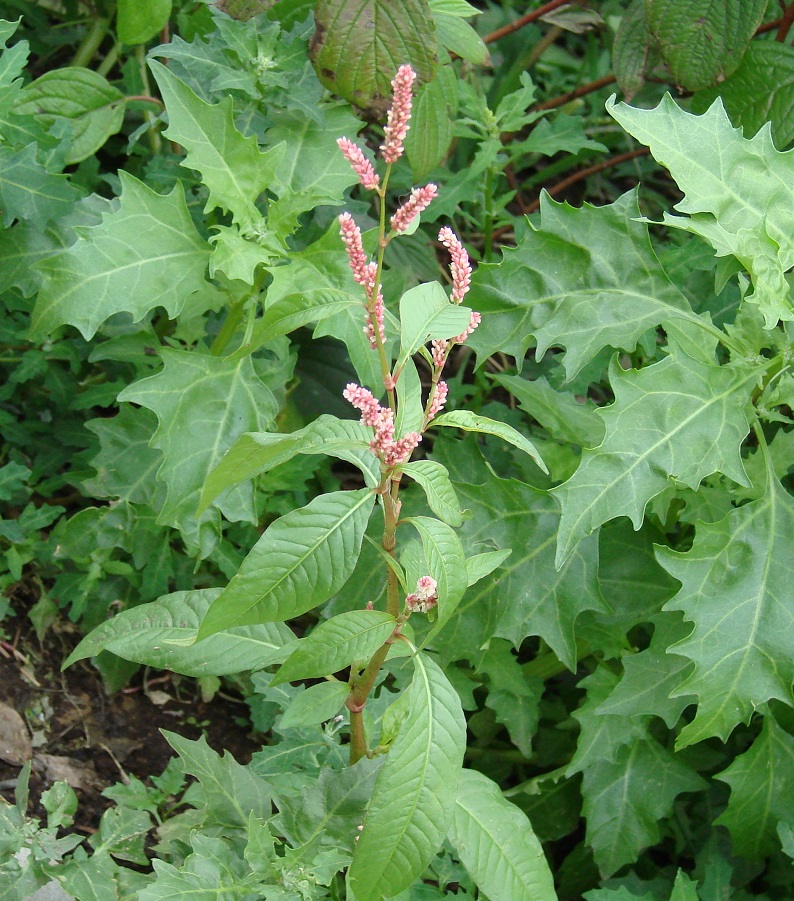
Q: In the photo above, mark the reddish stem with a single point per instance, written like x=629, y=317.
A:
x=785, y=24
x=588, y=88
x=524, y=20
x=584, y=173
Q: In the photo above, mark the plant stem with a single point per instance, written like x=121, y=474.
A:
x=233, y=319
x=357, y=699
x=487, y=228
x=90, y=43
x=588, y=88
x=524, y=20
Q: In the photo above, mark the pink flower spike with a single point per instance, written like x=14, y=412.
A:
x=460, y=266
x=419, y=200
x=474, y=320
x=361, y=165
x=375, y=319
x=439, y=350
x=364, y=401
x=401, y=450
x=399, y=115
x=439, y=399
x=363, y=271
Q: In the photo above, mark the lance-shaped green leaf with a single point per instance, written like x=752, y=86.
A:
x=357, y=58
x=28, y=191
x=258, y=452
x=146, y=254
x=473, y=422
x=762, y=792
x=701, y=41
x=427, y=314
x=527, y=595
x=336, y=643
x=441, y=497
x=412, y=803
x=410, y=411
x=738, y=191
x=444, y=554
x=232, y=167
x=162, y=634
x=226, y=398
x=314, y=705
x=302, y=559
x=678, y=419
x=736, y=580
x=496, y=843
x=586, y=279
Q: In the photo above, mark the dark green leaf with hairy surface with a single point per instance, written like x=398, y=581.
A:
x=223, y=398
x=527, y=595
x=630, y=49
x=144, y=255
x=739, y=192
x=336, y=643
x=162, y=634
x=761, y=90
x=702, y=41
x=414, y=795
x=762, y=792
x=432, y=130
x=736, y=582
x=232, y=167
x=359, y=45
x=496, y=843
x=585, y=279
x=678, y=419
x=302, y=559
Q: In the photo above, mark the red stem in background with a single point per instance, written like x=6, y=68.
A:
x=588, y=88
x=524, y=20
x=785, y=24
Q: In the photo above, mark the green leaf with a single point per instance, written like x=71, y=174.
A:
x=359, y=45
x=759, y=91
x=677, y=419
x=227, y=398
x=144, y=255
x=414, y=795
x=232, y=167
x=138, y=21
x=586, y=279
x=702, y=41
x=232, y=792
x=481, y=565
x=444, y=554
x=496, y=843
x=92, y=107
x=302, y=559
x=472, y=422
x=526, y=596
x=336, y=643
x=432, y=128
x=441, y=497
x=258, y=452
x=630, y=49
x=410, y=410
x=425, y=314
x=162, y=634
x=762, y=792
x=748, y=219
x=460, y=38
x=734, y=582
x=29, y=192
x=315, y=705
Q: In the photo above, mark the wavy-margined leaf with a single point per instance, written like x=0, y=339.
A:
x=736, y=589
x=232, y=166
x=435, y=482
x=444, y=554
x=146, y=254
x=473, y=422
x=28, y=191
x=162, y=634
x=219, y=399
x=359, y=45
x=703, y=41
x=762, y=792
x=336, y=643
x=414, y=795
x=496, y=843
x=426, y=313
x=678, y=419
x=257, y=452
x=300, y=561
x=527, y=595
x=738, y=191
x=586, y=279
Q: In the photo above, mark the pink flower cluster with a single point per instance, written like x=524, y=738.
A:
x=425, y=597
x=438, y=401
x=419, y=200
x=361, y=165
x=365, y=272
x=399, y=114
x=460, y=266
x=392, y=452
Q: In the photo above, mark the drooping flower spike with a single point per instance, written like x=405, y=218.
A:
x=361, y=165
